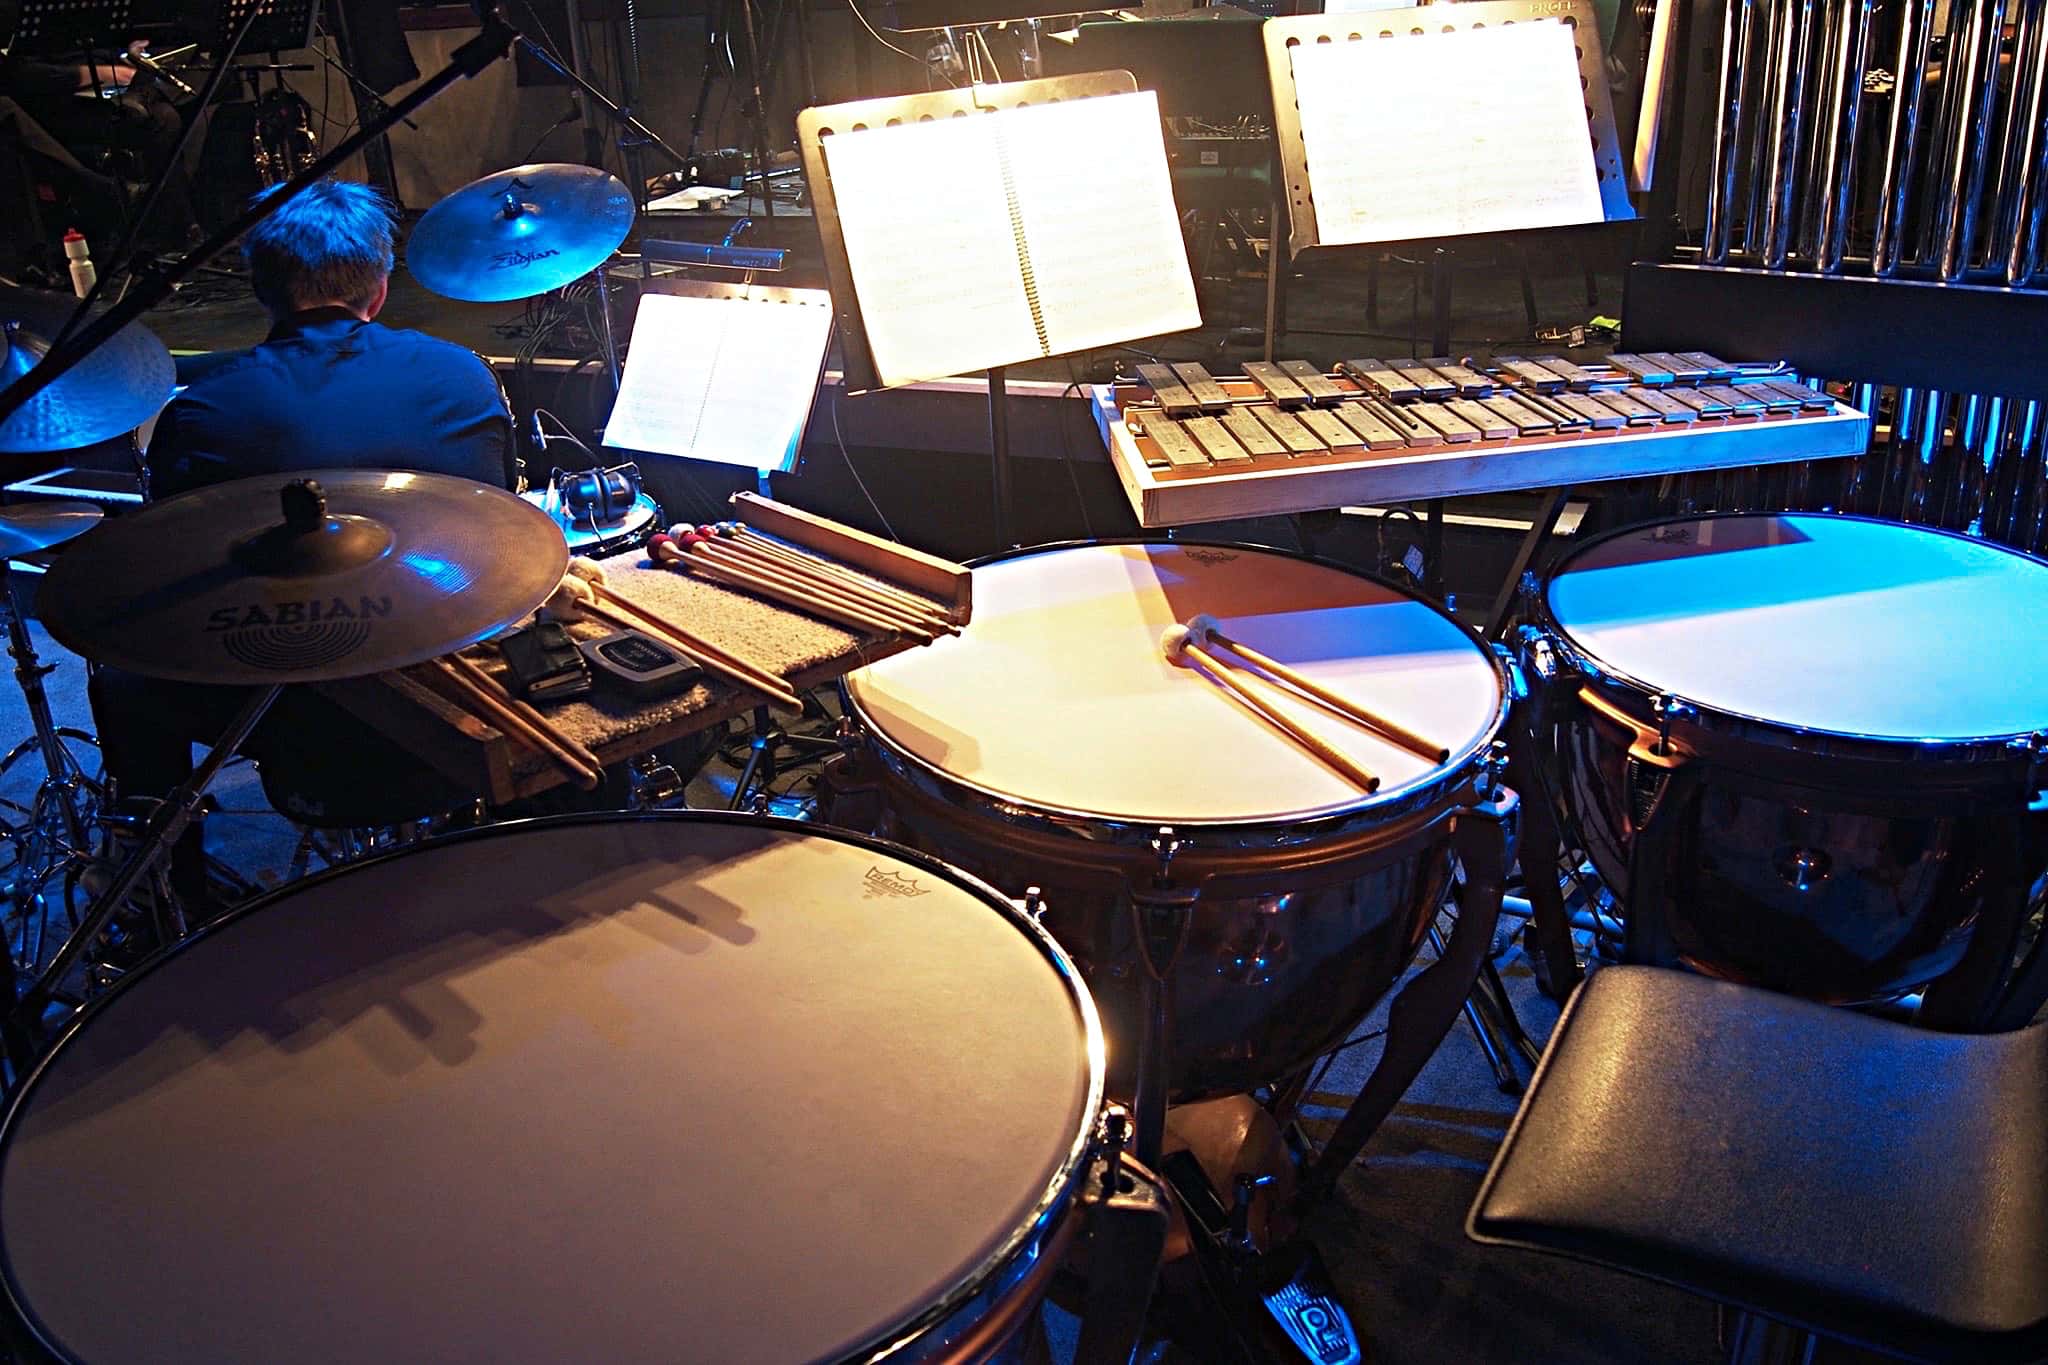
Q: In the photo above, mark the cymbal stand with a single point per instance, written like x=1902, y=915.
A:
x=54, y=838
x=160, y=833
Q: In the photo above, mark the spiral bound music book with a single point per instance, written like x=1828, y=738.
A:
x=1001, y=234
x=725, y=373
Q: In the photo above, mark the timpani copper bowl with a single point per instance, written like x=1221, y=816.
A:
x=621, y=1088
x=1799, y=749
x=1172, y=831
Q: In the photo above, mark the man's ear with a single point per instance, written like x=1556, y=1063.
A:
x=377, y=299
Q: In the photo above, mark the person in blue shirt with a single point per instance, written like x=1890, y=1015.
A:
x=329, y=388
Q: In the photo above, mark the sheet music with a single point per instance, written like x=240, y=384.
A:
x=1100, y=222
x=728, y=379
x=927, y=226
x=1446, y=134
x=947, y=278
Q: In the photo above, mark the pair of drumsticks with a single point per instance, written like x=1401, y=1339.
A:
x=1188, y=642
x=732, y=555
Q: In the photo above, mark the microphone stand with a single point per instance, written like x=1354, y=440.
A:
x=491, y=45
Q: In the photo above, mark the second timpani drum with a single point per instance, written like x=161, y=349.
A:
x=1850, y=715
x=612, y=1088
x=1054, y=745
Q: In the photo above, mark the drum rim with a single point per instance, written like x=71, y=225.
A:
x=1066, y=1180
x=1585, y=661
x=1286, y=824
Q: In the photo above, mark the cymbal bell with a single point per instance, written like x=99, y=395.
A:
x=31, y=526
x=520, y=232
x=308, y=578
x=117, y=388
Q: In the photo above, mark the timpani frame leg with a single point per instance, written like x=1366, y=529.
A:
x=1428, y=1005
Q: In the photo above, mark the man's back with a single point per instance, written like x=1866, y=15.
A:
x=327, y=390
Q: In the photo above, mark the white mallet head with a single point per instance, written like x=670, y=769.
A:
x=589, y=570
x=567, y=601
x=1173, y=641
x=1204, y=627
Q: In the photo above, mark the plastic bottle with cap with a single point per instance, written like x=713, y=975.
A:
x=83, y=275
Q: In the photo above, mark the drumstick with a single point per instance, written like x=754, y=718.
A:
x=749, y=561
x=677, y=632
x=527, y=713
x=923, y=607
x=1178, y=642
x=1206, y=627
x=486, y=705
x=668, y=551
x=576, y=597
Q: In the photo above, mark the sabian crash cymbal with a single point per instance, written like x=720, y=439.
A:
x=116, y=389
x=31, y=526
x=520, y=232
x=306, y=578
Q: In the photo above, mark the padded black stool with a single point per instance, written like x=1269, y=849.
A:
x=1865, y=1181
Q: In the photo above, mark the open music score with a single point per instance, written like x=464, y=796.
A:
x=1189, y=447
x=723, y=373
x=986, y=239
x=1445, y=134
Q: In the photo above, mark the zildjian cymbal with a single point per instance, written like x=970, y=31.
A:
x=308, y=578
x=520, y=232
x=32, y=526
x=115, y=389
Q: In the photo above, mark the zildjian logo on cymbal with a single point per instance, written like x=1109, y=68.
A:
x=506, y=259
x=297, y=613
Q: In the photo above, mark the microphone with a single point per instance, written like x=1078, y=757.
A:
x=540, y=435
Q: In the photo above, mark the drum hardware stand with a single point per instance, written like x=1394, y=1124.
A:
x=1160, y=919
x=1129, y=1215
x=54, y=840
x=162, y=831
x=758, y=776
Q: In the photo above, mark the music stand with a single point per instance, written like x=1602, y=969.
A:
x=95, y=25
x=281, y=25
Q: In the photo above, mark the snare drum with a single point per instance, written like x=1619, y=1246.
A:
x=1848, y=712
x=1052, y=744
x=603, y=1088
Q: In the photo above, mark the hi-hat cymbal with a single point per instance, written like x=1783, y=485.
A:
x=116, y=389
x=520, y=232
x=304, y=578
x=31, y=526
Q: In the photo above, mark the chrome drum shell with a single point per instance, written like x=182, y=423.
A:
x=1839, y=867
x=1282, y=936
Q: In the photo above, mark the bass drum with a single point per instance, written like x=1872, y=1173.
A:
x=626, y=1088
x=1053, y=745
x=1847, y=712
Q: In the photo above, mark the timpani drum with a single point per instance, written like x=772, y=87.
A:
x=1053, y=745
x=610, y=1088
x=1848, y=713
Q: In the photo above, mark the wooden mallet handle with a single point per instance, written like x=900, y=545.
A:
x=1177, y=642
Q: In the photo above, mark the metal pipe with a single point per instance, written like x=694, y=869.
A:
x=1902, y=138
x=1795, y=52
x=1825, y=122
x=1777, y=16
x=1899, y=458
x=1970, y=149
x=1940, y=138
x=2020, y=191
x=1739, y=22
x=1863, y=478
x=1839, y=185
x=1916, y=506
x=2033, y=526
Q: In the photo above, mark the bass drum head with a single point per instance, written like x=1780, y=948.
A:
x=598, y=1089
x=1824, y=624
x=1058, y=696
